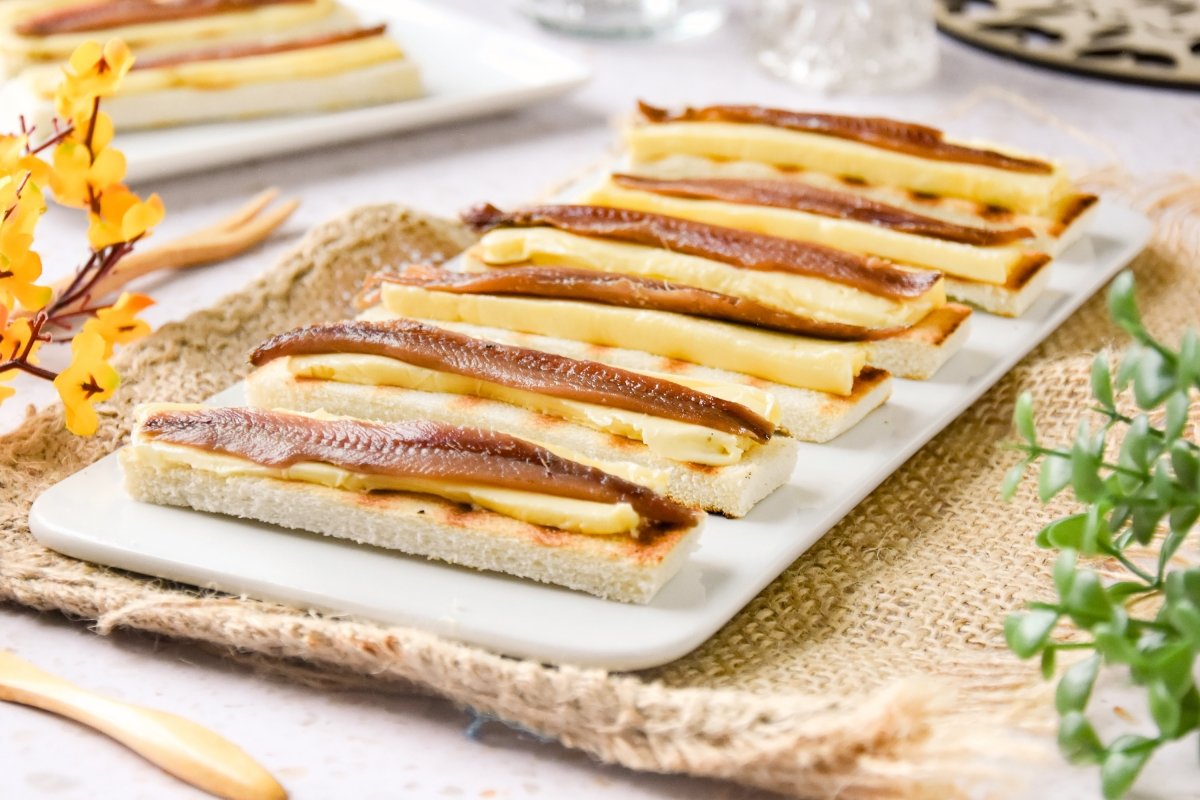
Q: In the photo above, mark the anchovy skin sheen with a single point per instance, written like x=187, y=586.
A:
x=737, y=248
x=887, y=134
x=98, y=16
x=520, y=368
x=246, y=50
x=797, y=196
x=412, y=449
x=630, y=291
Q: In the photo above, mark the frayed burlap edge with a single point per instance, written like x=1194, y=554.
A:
x=907, y=739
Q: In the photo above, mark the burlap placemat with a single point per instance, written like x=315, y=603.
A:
x=875, y=666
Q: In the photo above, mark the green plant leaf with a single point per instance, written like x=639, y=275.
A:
x=1114, y=645
x=1175, y=538
x=1054, y=477
x=1096, y=537
x=1145, y=521
x=1122, y=303
x=1176, y=414
x=1163, y=483
x=1048, y=661
x=1063, y=533
x=1189, y=359
x=1154, y=379
x=1189, y=711
x=1077, y=739
x=1102, y=387
x=1122, y=590
x=1087, y=603
x=1164, y=709
x=1075, y=686
x=1128, y=366
x=1012, y=479
x=1173, y=665
x=1184, y=616
x=1023, y=418
x=1064, y=571
x=1189, y=583
x=1026, y=632
x=1121, y=764
x=1135, y=447
x=1186, y=465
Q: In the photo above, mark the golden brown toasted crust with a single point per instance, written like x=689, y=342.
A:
x=1071, y=209
x=937, y=326
x=868, y=381
x=1029, y=267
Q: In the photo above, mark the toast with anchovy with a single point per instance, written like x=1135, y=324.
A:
x=280, y=474
x=807, y=415
x=344, y=69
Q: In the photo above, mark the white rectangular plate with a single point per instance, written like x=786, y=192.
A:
x=89, y=516
x=468, y=70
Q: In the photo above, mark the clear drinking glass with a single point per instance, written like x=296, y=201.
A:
x=629, y=18
x=848, y=45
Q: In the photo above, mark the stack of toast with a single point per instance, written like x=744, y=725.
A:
x=566, y=400
x=203, y=60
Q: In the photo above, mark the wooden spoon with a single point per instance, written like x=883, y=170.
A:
x=186, y=750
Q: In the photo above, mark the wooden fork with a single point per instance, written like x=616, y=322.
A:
x=231, y=236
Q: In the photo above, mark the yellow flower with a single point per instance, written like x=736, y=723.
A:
x=123, y=217
x=5, y=374
x=89, y=380
x=15, y=163
x=14, y=338
x=118, y=324
x=19, y=265
x=78, y=176
x=93, y=71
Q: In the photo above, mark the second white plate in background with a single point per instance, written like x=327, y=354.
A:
x=469, y=70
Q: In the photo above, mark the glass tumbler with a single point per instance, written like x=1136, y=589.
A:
x=663, y=19
x=847, y=45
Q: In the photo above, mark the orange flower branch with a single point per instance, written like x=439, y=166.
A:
x=81, y=169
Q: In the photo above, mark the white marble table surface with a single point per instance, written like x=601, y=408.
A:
x=325, y=745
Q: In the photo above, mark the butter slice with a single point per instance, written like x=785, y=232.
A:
x=577, y=516
x=1019, y=191
x=670, y=438
x=985, y=264
x=815, y=364
x=796, y=294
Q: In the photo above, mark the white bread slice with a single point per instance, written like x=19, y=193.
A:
x=730, y=490
x=805, y=415
x=613, y=567
x=919, y=352
x=388, y=82
x=1012, y=299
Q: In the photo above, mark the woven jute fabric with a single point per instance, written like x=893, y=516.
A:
x=874, y=667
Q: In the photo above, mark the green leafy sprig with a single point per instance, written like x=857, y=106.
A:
x=1139, y=509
